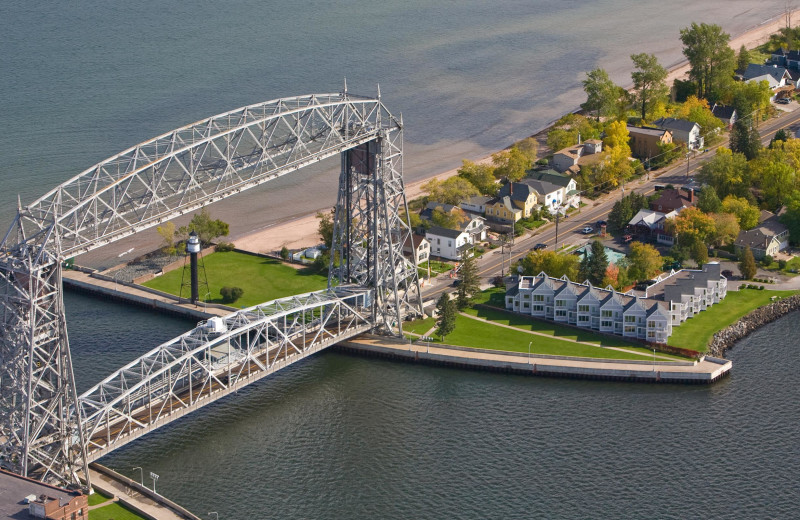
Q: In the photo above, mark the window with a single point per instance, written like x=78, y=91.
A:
x=583, y=318
x=605, y=314
x=538, y=308
x=651, y=334
x=630, y=328
x=606, y=323
x=561, y=313
x=538, y=297
x=630, y=319
x=583, y=308
x=526, y=296
x=526, y=305
x=561, y=303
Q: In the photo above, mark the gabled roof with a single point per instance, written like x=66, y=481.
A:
x=672, y=199
x=477, y=200
x=723, y=112
x=670, y=123
x=427, y=213
x=505, y=201
x=755, y=71
x=551, y=176
x=542, y=187
x=520, y=191
x=759, y=237
x=658, y=132
x=415, y=239
x=443, y=232
x=791, y=55
x=647, y=217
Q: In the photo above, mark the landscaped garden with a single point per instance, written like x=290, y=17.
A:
x=262, y=279
x=696, y=333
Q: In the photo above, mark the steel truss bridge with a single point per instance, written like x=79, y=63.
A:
x=48, y=431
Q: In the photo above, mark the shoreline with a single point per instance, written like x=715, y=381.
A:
x=301, y=231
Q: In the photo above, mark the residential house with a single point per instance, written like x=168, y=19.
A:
x=417, y=247
x=726, y=114
x=651, y=224
x=450, y=244
x=768, y=238
x=645, y=141
x=469, y=222
x=550, y=196
x=683, y=131
x=476, y=204
x=502, y=210
x=572, y=157
x=427, y=213
x=787, y=59
x=773, y=74
x=690, y=291
x=673, y=200
x=793, y=79
x=569, y=188
x=476, y=228
x=522, y=196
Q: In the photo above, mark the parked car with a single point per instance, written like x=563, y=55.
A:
x=601, y=223
x=588, y=230
x=783, y=101
x=727, y=273
x=539, y=246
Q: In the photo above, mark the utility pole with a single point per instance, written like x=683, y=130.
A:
x=557, y=219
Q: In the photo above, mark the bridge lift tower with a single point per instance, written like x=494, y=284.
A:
x=40, y=425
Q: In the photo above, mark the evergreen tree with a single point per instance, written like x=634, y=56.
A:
x=745, y=138
x=743, y=60
x=699, y=252
x=446, y=320
x=747, y=266
x=469, y=281
x=597, y=263
x=583, y=268
x=780, y=135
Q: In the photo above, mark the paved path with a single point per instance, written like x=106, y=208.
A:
x=705, y=371
x=128, y=496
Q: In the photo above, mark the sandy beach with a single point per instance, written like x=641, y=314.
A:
x=302, y=231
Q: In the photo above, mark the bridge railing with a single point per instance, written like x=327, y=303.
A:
x=215, y=357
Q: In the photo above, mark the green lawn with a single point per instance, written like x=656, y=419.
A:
x=476, y=334
x=496, y=297
x=419, y=326
x=695, y=333
x=98, y=498
x=262, y=279
x=113, y=511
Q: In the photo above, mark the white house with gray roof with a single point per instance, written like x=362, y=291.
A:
x=776, y=76
x=683, y=131
x=448, y=243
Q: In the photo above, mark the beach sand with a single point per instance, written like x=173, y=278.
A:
x=302, y=232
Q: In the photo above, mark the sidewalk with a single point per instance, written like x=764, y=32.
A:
x=131, y=498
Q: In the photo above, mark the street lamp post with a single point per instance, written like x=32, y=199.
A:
x=141, y=474
x=205, y=300
x=529, y=351
x=154, y=476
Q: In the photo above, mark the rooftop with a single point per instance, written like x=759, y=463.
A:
x=658, y=132
x=14, y=489
x=670, y=123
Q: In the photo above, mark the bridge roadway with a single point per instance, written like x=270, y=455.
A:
x=128, y=405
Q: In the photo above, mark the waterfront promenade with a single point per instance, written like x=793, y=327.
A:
x=704, y=371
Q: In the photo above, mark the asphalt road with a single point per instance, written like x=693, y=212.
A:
x=495, y=261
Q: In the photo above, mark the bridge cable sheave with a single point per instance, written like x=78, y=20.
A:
x=40, y=417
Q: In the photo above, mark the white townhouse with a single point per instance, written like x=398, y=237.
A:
x=676, y=297
x=448, y=243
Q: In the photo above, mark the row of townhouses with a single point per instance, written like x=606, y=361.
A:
x=673, y=299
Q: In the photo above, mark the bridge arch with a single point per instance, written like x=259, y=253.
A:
x=160, y=179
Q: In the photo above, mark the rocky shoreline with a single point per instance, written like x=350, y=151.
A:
x=727, y=337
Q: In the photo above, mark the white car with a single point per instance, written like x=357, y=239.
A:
x=588, y=230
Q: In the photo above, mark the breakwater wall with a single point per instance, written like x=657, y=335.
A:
x=725, y=338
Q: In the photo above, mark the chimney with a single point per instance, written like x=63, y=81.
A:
x=691, y=195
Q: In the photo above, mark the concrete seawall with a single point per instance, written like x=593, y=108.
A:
x=704, y=371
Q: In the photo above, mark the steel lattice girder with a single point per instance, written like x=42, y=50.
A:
x=181, y=374
x=371, y=227
x=200, y=163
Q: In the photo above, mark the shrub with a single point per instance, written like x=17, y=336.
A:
x=224, y=247
x=781, y=264
x=767, y=260
x=760, y=287
x=285, y=253
x=231, y=294
x=497, y=281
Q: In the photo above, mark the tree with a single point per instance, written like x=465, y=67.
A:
x=512, y=164
x=648, y=81
x=594, y=264
x=742, y=60
x=285, y=253
x=745, y=138
x=566, y=130
x=727, y=173
x=479, y=175
x=791, y=218
x=780, y=136
x=747, y=264
x=711, y=59
x=698, y=111
x=450, y=191
x=746, y=214
x=206, y=228
x=708, y=200
x=699, y=252
x=325, y=227
x=601, y=93
x=726, y=228
x=167, y=233
x=446, y=315
x=447, y=220
x=550, y=262
x=692, y=225
x=775, y=173
x=469, y=281
x=624, y=210
x=748, y=97
x=231, y=294
x=644, y=261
